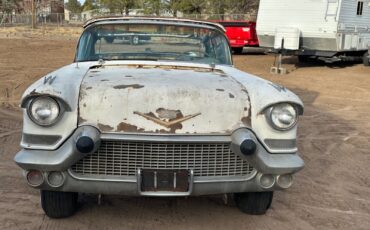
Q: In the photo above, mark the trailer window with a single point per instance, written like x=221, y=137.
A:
x=360, y=6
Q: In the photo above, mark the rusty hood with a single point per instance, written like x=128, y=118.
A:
x=155, y=99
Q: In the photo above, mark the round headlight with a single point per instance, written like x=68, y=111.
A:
x=282, y=116
x=44, y=111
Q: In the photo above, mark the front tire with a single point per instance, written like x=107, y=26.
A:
x=59, y=204
x=365, y=59
x=253, y=203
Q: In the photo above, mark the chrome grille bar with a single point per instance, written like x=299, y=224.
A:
x=124, y=158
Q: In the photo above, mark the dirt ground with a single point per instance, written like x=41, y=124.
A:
x=332, y=192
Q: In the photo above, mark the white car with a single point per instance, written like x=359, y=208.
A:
x=169, y=116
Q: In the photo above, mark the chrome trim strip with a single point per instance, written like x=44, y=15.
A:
x=129, y=179
x=282, y=144
x=196, y=180
x=167, y=138
x=39, y=140
x=155, y=20
x=219, y=179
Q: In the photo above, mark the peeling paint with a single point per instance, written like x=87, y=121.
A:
x=170, y=98
x=247, y=121
x=104, y=80
x=134, y=86
x=128, y=127
x=34, y=93
x=103, y=127
x=87, y=88
x=50, y=93
x=176, y=67
x=81, y=120
x=128, y=76
x=231, y=95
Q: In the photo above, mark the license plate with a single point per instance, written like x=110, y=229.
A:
x=153, y=180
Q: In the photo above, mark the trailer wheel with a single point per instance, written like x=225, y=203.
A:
x=253, y=203
x=366, y=59
x=303, y=58
x=238, y=50
x=59, y=204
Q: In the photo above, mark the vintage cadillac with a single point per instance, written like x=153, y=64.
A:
x=155, y=107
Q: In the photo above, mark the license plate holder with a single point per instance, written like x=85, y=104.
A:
x=152, y=181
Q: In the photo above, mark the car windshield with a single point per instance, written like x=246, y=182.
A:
x=154, y=42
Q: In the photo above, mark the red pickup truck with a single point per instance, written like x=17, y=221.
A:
x=240, y=34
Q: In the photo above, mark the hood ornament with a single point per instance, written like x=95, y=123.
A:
x=166, y=118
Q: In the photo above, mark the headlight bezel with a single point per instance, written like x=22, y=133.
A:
x=32, y=117
x=269, y=114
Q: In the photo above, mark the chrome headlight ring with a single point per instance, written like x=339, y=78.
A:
x=282, y=116
x=44, y=111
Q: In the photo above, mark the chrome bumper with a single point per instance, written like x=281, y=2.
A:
x=67, y=155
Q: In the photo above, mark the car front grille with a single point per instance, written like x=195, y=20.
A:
x=124, y=158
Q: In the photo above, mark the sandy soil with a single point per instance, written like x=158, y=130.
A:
x=332, y=192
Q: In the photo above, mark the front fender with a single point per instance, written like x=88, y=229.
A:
x=263, y=94
x=63, y=85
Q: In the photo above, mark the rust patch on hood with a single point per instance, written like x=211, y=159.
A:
x=134, y=86
x=127, y=127
x=81, y=120
x=103, y=127
x=247, y=121
x=176, y=67
x=50, y=94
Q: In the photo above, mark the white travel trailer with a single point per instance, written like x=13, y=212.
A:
x=330, y=30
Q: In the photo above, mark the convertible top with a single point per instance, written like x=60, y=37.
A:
x=153, y=20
